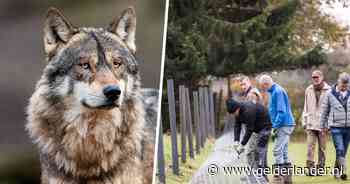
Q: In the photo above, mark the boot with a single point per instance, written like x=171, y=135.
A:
x=262, y=174
x=277, y=177
x=336, y=173
x=288, y=177
x=320, y=170
x=342, y=165
x=311, y=168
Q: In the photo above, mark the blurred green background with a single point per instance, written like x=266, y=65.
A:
x=22, y=61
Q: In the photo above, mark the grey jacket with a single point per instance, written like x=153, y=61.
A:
x=334, y=114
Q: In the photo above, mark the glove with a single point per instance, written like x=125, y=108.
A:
x=240, y=149
x=235, y=145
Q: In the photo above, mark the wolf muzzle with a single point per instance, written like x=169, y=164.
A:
x=112, y=92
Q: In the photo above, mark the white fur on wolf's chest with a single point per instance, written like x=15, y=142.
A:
x=90, y=130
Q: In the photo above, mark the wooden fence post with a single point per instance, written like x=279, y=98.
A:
x=207, y=113
x=182, y=105
x=212, y=113
x=172, y=117
x=215, y=99
x=202, y=116
x=196, y=121
x=218, y=109
x=189, y=122
x=161, y=164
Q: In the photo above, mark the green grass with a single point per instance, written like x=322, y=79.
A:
x=186, y=169
x=297, y=153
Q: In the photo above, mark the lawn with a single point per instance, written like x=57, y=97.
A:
x=297, y=153
x=186, y=169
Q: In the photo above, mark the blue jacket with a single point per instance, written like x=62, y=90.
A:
x=279, y=107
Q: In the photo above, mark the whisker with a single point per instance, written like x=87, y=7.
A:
x=96, y=96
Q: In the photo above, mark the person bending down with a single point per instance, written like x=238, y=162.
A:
x=255, y=117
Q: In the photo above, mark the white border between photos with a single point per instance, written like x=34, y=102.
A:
x=165, y=28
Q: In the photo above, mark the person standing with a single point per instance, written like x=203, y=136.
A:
x=282, y=123
x=257, y=120
x=336, y=116
x=249, y=93
x=314, y=96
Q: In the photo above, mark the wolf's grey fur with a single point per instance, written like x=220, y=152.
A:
x=83, y=136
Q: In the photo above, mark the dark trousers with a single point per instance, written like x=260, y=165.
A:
x=262, y=146
x=257, y=148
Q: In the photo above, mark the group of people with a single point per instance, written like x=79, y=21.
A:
x=325, y=110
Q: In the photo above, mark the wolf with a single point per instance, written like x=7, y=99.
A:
x=89, y=117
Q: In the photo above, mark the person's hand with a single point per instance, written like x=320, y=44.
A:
x=240, y=149
x=235, y=145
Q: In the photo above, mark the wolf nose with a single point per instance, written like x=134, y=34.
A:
x=112, y=92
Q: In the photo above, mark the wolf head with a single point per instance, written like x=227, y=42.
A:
x=87, y=114
x=93, y=67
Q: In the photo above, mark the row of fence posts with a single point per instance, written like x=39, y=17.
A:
x=203, y=110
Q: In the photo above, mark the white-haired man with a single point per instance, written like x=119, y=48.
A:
x=282, y=123
x=336, y=116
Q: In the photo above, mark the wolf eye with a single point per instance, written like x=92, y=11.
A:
x=85, y=66
x=117, y=64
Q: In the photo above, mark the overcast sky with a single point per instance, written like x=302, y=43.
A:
x=339, y=12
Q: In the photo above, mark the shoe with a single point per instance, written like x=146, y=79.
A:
x=342, y=164
x=311, y=168
x=276, y=179
x=336, y=173
x=288, y=178
x=320, y=169
x=262, y=167
x=343, y=177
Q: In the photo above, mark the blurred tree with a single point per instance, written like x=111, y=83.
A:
x=221, y=37
x=345, y=3
x=314, y=27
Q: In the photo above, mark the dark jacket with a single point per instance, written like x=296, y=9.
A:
x=255, y=116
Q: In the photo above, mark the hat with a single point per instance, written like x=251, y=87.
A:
x=232, y=105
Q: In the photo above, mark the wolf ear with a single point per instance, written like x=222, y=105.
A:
x=57, y=31
x=125, y=27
